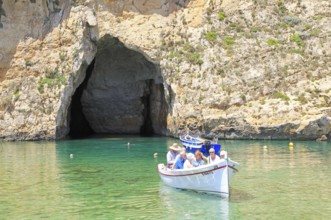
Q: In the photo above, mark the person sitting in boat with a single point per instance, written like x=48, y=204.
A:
x=199, y=159
x=181, y=160
x=178, y=155
x=223, y=154
x=213, y=158
x=172, y=153
x=188, y=162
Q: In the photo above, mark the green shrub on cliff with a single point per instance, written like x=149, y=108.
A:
x=229, y=41
x=296, y=38
x=5, y=102
x=52, y=78
x=194, y=58
x=188, y=53
x=52, y=74
x=302, y=99
x=28, y=63
x=221, y=16
x=62, y=55
x=272, y=42
x=279, y=95
x=16, y=95
x=211, y=36
x=280, y=9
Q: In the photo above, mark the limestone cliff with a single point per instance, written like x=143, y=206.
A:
x=228, y=69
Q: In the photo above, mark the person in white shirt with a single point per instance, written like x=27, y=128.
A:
x=172, y=153
x=223, y=154
x=213, y=158
x=188, y=161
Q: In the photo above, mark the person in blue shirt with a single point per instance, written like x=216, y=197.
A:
x=172, y=154
x=181, y=160
x=199, y=159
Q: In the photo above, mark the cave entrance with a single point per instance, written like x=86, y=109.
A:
x=122, y=93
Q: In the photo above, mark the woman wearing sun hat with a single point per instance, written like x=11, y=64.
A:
x=172, y=153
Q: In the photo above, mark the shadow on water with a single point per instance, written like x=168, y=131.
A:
x=237, y=195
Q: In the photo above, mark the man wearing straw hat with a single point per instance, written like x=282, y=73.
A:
x=172, y=153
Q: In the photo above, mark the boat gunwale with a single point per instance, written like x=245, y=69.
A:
x=194, y=143
x=196, y=170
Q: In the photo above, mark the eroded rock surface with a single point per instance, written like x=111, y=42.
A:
x=227, y=69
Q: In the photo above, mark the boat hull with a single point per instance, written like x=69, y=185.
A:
x=212, y=178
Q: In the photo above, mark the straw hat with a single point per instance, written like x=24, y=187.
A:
x=175, y=147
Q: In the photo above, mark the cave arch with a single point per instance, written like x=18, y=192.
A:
x=122, y=93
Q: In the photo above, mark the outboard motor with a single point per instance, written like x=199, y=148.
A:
x=207, y=146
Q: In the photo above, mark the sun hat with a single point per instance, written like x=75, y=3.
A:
x=175, y=147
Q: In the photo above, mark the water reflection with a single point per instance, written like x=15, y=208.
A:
x=287, y=178
x=186, y=204
x=27, y=170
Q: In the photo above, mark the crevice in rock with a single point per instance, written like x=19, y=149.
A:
x=79, y=126
x=147, y=127
x=2, y=13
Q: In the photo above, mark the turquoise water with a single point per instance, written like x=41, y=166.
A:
x=107, y=179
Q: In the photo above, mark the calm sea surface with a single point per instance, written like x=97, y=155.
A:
x=107, y=179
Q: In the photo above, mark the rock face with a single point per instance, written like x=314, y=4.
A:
x=228, y=69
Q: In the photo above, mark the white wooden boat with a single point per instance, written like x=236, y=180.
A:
x=211, y=178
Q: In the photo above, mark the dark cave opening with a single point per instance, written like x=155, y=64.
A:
x=122, y=93
x=147, y=127
x=79, y=126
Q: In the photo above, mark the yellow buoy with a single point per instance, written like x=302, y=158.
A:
x=290, y=144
